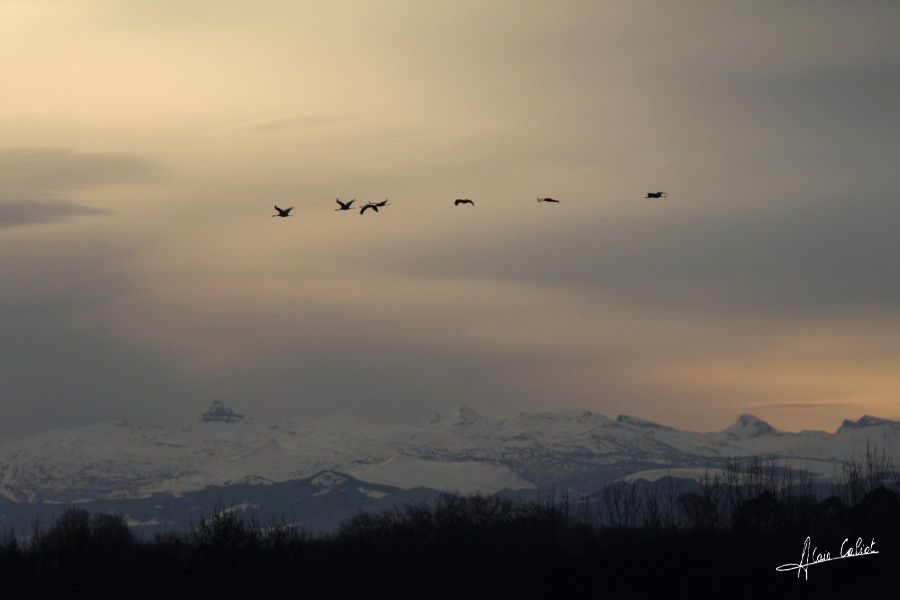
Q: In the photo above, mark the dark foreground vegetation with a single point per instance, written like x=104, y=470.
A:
x=724, y=540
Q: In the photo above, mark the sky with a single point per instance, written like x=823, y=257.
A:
x=144, y=142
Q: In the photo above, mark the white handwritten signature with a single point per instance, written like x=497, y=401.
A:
x=815, y=557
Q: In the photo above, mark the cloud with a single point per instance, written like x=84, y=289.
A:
x=775, y=135
x=14, y=212
x=807, y=256
x=40, y=170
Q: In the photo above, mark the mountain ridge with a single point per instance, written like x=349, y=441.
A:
x=465, y=451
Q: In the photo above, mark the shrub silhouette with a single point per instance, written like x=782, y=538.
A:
x=876, y=514
x=761, y=517
x=472, y=547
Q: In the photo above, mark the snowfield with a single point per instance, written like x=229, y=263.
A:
x=462, y=452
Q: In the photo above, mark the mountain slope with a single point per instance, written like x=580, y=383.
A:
x=465, y=452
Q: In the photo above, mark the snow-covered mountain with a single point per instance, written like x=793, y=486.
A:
x=463, y=452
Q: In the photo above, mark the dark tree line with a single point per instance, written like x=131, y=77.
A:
x=723, y=538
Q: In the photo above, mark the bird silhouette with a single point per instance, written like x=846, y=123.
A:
x=459, y=201
x=344, y=205
x=283, y=212
x=367, y=207
x=382, y=203
x=656, y=195
x=547, y=200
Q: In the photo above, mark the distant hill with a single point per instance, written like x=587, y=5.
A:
x=316, y=503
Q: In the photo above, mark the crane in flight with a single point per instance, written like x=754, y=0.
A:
x=547, y=200
x=283, y=212
x=344, y=205
x=656, y=195
x=459, y=201
x=367, y=207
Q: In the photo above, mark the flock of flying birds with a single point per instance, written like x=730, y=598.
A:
x=374, y=206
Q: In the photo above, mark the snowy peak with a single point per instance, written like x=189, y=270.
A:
x=462, y=451
x=748, y=426
x=219, y=413
x=866, y=421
